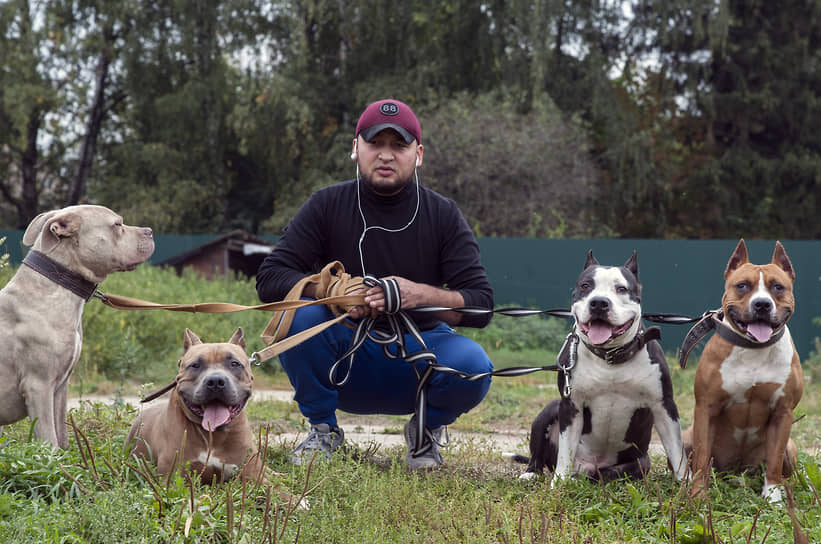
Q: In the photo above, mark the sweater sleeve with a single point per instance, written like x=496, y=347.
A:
x=463, y=270
x=297, y=253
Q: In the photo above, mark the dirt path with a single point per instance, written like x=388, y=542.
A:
x=362, y=430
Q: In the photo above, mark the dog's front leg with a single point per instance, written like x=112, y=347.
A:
x=570, y=431
x=702, y=434
x=669, y=431
x=778, y=435
x=40, y=406
x=60, y=408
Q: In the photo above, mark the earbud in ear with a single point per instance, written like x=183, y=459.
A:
x=417, y=162
x=354, y=156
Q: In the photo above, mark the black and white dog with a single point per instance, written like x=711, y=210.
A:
x=615, y=386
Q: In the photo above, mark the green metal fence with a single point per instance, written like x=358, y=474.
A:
x=679, y=276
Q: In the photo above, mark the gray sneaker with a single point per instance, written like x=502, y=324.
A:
x=321, y=438
x=430, y=458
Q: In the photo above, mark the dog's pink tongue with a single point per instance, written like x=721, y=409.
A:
x=215, y=414
x=599, y=332
x=760, y=331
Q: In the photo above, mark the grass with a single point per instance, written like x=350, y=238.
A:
x=93, y=493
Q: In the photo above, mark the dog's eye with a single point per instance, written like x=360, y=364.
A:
x=195, y=364
x=778, y=288
x=742, y=287
x=621, y=289
x=235, y=363
x=584, y=285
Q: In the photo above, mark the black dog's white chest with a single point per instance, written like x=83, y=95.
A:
x=611, y=395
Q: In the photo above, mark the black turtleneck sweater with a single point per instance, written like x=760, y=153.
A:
x=438, y=248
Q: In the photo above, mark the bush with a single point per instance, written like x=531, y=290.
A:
x=144, y=345
x=5, y=270
x=521, y=333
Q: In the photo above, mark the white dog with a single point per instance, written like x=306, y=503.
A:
x=41, y=308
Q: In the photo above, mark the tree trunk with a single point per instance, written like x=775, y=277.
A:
x=93, y=126
x=27, y=205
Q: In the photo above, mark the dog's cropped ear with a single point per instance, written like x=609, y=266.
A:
x=632, y=264
x=591, y=260
x=738, y=258
x=238, y=338
x=781, y=260
x=190, y=339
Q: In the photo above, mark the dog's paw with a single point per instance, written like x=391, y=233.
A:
x=528, y=476
x=773, y=494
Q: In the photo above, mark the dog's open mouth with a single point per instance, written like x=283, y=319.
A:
x=215, y=414
x=760, y=331
x=600, y=332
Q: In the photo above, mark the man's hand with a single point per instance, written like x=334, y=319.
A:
x=413, y=295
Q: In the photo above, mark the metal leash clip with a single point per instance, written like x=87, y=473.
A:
x=573, y=340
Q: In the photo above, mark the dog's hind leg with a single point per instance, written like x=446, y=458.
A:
x=635, y=469
x=542, y=448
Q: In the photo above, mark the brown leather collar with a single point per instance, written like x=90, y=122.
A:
x=713, y=321
x=60, y=275
x=617, y=356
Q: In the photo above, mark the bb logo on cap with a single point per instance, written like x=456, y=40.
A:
x=389, y=108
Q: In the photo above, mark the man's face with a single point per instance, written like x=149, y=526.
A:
x=386, y=162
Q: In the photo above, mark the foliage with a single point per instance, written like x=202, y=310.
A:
x=747, y=74
x=520, y=334
x=494, y=182
x=692, y=118
x=144, y=345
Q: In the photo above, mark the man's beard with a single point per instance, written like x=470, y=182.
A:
x=382, y=190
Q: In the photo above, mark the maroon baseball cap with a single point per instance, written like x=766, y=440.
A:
x=389, y=113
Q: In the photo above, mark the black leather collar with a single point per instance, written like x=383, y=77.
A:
x=714, y=321
x=617, y=356
x=60, y=275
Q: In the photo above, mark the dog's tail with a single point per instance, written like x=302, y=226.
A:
x=516, y=458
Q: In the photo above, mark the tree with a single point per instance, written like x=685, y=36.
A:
x=749, y=83
x=48, y=51
x=512, y=174
x=98, y=30
x=176, y=149
x=30, y=90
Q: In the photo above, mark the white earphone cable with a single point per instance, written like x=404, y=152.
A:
x=366, y=228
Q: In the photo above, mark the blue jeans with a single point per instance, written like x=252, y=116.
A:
x=379, y=384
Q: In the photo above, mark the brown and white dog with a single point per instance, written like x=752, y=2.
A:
x=203, y=422
x=41, y=308
x=748, y=379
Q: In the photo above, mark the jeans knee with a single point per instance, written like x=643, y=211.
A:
x=308, y=316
